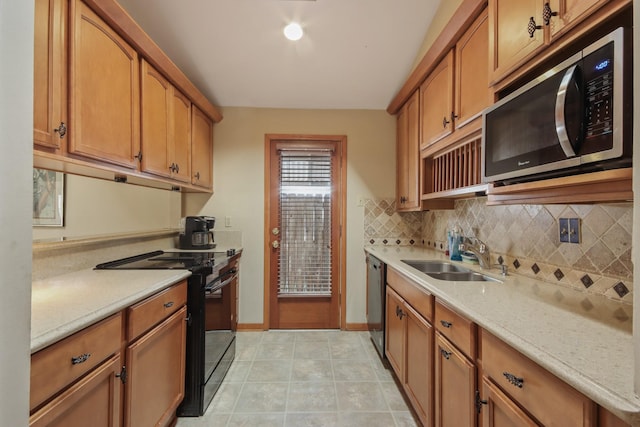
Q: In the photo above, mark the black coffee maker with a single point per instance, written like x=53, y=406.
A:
x=197, y=233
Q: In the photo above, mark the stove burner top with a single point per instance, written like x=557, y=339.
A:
x=160, y=260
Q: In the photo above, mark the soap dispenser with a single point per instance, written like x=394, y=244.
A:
x=455, y=239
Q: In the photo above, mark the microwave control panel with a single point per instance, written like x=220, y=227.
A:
x=598, y=73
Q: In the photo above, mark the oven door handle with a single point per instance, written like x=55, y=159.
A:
x=213, y=288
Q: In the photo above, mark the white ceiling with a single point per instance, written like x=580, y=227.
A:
x=355, y=54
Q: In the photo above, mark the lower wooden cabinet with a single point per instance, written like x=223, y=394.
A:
x=114, y=372
x=499, y=410
x=455, y=385
x=409, y=343
x=155, y=387
x=94, y=401
x=418, y=378
x=532, y=388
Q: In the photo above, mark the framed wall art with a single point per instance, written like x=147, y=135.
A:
x=48, y=198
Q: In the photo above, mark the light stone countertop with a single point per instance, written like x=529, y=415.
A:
x=583, y=339
x=64, y=304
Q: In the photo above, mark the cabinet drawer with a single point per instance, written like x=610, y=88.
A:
x=415, y=295
x=550, y=400
x=460, y=331
x=58, y=365
x=148, y=313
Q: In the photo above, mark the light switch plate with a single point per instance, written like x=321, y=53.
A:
x=563, y=229
x=574, y=230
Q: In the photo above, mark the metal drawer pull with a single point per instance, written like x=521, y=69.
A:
x=168, y=304
x=80, y=359
x=516, y=381
x=446, y=324
x=446, y=354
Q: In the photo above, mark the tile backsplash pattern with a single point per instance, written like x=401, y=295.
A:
x=383, y=225
x=525, y=238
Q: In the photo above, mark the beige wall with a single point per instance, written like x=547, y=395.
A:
x=239, y=186
x=441, y=18
x=98, y=207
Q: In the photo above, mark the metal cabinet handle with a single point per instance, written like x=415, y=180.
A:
x=446, y=354
x=446, y=324
x=445, y=122
x=138, y=156
x=168, y=304
x=516, y=381
x=177, y=169
x=122, y=375
x=532, y=27
x=547, y=13
x=197, y=175
x=61, y=130
x=400, y=313
x=76, y=360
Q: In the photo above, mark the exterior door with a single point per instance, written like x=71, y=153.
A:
x=303, y=245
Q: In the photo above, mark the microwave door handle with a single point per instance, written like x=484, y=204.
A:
x=561, y=128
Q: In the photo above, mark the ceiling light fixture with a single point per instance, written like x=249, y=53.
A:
x=293, y=31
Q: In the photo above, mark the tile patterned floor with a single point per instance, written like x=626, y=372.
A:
x=306, y=378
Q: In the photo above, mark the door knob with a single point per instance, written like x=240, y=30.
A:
x=275, y=244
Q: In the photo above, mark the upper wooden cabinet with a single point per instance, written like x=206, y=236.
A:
x=472, y=93
x=509, y=39
x=128, y=120
x=520, y=28
x=436, y=99
x=166, y=127
x=457, y=90
x=104, y=121
x=565, y=13
x=50, y=73
x=407, y=156
x=201, y=149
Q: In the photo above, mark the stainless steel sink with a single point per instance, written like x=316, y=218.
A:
x=446, y=271
x=435, y=266
x=462, y=276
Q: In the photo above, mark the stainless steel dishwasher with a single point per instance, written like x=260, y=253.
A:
x=376, y=278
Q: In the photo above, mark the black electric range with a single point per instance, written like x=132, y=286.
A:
x=210, y=346
x=165, y=260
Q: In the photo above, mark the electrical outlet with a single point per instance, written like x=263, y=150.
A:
x=574, y=230
x=563, y=229
x=227, y=221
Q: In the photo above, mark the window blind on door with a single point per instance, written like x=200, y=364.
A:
x=304, y=265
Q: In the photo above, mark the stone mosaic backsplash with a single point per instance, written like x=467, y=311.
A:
x=525, y=238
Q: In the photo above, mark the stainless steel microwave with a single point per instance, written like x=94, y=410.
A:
x=574, y=118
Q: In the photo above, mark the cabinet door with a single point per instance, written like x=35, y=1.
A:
x=454, y=387
x=180, y=147
x=156, y=96
x=156, y=368
x=418, y=378
x=103, y=91
x=407, y=189
x=201, y=149
x=500, y=411
x=509, y=40
x=472, y=94
x=94, y=400
x=569, y=12
x=49, y=73
x=395, y=332
x=436, y=103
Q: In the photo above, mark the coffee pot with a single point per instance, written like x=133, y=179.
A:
x=197, y=233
